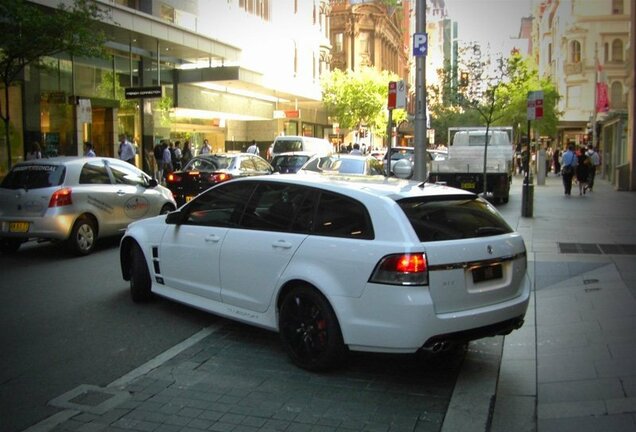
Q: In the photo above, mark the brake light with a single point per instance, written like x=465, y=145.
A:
x=173, y=178
x=401, y=269
x=60, y=198
x=219, y=177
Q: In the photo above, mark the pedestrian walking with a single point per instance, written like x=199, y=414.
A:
x=88, y=150
x=35, y=153
x=569, y=162
x=595, y=160
x=582, y=170
x=356, y=150
x=556, y=161
x=166, y=159
x=253, y=149
x=177, y=155
x=186, y=154
x=157, y=152
x=126, y=150
x=205, y=149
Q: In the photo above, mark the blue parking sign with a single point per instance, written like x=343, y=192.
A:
x=420, y=44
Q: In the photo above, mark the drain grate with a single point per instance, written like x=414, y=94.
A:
x=91, y=399
x=597, y=249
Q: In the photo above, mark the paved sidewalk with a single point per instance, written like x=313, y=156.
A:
x=572, y=366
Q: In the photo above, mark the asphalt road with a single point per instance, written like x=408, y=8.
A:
x=66, y=321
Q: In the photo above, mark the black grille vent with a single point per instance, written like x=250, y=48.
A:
x=597, y=249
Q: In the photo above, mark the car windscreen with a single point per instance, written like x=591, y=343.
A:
x=453, y=217
x=34, y=176
x=401, y=154
x=288, y=161
x=286, y=146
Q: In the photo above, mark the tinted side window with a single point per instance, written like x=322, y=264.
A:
x=220, y=206
x=94, y=173
x=128, y=175
x=34, y=176
x=261, y=165
x=274, y=206
x=340, y=216
x=450, y=218
x=247, y=165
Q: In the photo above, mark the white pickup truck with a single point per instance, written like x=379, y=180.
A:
x=464, y=166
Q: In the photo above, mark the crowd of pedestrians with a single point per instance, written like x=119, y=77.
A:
x=576, y=165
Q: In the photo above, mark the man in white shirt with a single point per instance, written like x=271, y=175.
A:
x=126, y=150
x=206, y=148
x=253, y=149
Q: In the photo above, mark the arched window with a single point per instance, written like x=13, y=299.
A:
x=575, y=51
x=617, y=99
x=617, y=50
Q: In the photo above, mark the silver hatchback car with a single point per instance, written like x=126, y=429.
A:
x=75, y=200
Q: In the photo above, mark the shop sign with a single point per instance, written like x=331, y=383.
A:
x=143, y=92
x=280, y=114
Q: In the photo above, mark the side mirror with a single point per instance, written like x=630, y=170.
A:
x=174, y=218
x=403, y=169
x=153, y=182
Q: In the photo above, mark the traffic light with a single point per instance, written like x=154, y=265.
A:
x=463, y=79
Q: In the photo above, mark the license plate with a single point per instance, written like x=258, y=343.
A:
x=468, y=185
x=18, y=227
x=487, y=273
x=189, y=198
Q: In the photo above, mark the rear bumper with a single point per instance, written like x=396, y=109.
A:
x=50, y=227
x=403, y=319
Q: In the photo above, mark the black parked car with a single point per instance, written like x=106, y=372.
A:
x=204, y=171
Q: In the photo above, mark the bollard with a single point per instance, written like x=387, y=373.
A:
x=527, y=197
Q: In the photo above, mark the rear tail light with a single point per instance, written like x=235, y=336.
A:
x=401, y=269
x=173, y=178
x=60, y=198
x=219, y=177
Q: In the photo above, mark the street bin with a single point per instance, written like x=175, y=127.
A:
x=527, y=198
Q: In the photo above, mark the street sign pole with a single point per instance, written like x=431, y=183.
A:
x=420, y=91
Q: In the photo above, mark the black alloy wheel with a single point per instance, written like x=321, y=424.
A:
x=309, y=330
x=139, y=276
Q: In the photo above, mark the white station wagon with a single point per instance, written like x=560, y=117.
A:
x=337, y=264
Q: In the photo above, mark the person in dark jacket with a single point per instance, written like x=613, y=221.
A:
x=582, y=170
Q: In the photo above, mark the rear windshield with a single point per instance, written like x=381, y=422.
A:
x=288, y=161
x=286, y=146
x=452, y=218
x=35, y=176
x=208, y=163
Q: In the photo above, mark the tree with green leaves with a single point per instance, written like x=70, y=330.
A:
x=524, y=78
x=33, y=32
x=359, y=99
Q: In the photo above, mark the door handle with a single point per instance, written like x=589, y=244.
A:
x=282, y=244
x=121, y=192
x=212, y=238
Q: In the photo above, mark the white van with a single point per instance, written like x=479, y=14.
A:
x=292, y=143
